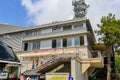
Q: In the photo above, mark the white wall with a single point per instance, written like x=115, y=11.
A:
x=76, y=71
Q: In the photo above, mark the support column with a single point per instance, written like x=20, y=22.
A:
x=85, y=40
x=76, y=71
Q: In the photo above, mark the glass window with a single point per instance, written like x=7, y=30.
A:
x=78, y=26
x=64, y=42
x=58, y=43
x=81, y=40
x=46, y=44
x=76, y=41
x=68, y=27
x=36, y=45
x=46, y=31
x=36, y=33
x=69, y=41
x=29, y=46
x=28, y=34
x=56, y=29
x=53, y=43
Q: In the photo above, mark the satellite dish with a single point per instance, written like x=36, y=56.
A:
x=87, y=5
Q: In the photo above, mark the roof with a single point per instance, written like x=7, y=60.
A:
x=10, y=28
x=4, y=29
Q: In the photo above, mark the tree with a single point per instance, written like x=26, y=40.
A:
x=109, y=29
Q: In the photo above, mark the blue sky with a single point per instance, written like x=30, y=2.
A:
x=37, y=12
x=11, y=12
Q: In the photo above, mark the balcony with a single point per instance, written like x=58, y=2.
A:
x=55, y=34
x=94, y=58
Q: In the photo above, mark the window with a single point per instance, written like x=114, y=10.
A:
x=46, y=44
x=27, y=46
x=81, y=40
x=53, y=43
x=58, y=43
x=68, y=27
x=28, y=34
x=56, y=29
x=69, y=42
x=36, y=45
x=76, y=27
x=76, y=41
x=46, y=31
x=64, y=42
x=36, y=33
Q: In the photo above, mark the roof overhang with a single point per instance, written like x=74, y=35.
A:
x=10, y=62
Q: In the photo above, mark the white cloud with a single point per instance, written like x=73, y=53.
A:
x=46, y=11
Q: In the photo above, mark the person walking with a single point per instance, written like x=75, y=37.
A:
x=22, y=77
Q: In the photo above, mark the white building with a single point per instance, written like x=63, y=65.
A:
x=39, y=44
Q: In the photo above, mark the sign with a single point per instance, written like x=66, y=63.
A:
x=3, y=75
x=57, y=76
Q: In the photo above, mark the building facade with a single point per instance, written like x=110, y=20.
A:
x=37, y=45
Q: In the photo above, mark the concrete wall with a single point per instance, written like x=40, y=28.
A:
x=76, y=71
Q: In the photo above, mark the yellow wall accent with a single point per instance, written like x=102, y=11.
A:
x=85, y=66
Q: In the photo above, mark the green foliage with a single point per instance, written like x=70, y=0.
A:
x=117, y=62
x=109, y=30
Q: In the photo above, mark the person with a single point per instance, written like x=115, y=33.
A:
x=22, y=77
x=38, y=78
x=29, y=78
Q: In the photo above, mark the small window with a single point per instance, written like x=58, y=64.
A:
x=81, y=40
x=68, y=27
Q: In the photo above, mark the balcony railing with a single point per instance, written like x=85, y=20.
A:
x=78, y=51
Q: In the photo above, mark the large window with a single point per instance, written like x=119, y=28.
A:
x=79, y=26
x=28, y=46
x=46, y=31
x=56, y=29
x=69, y=42
x=58, y=43
x=36, y=33
x=68, y=27
x=46, y=44
x=76, y=41
x=29, y=34
x=36, y=45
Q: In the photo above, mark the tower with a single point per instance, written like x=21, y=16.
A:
x=80, y=8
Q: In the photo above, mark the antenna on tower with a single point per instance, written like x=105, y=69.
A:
x=80, y=8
